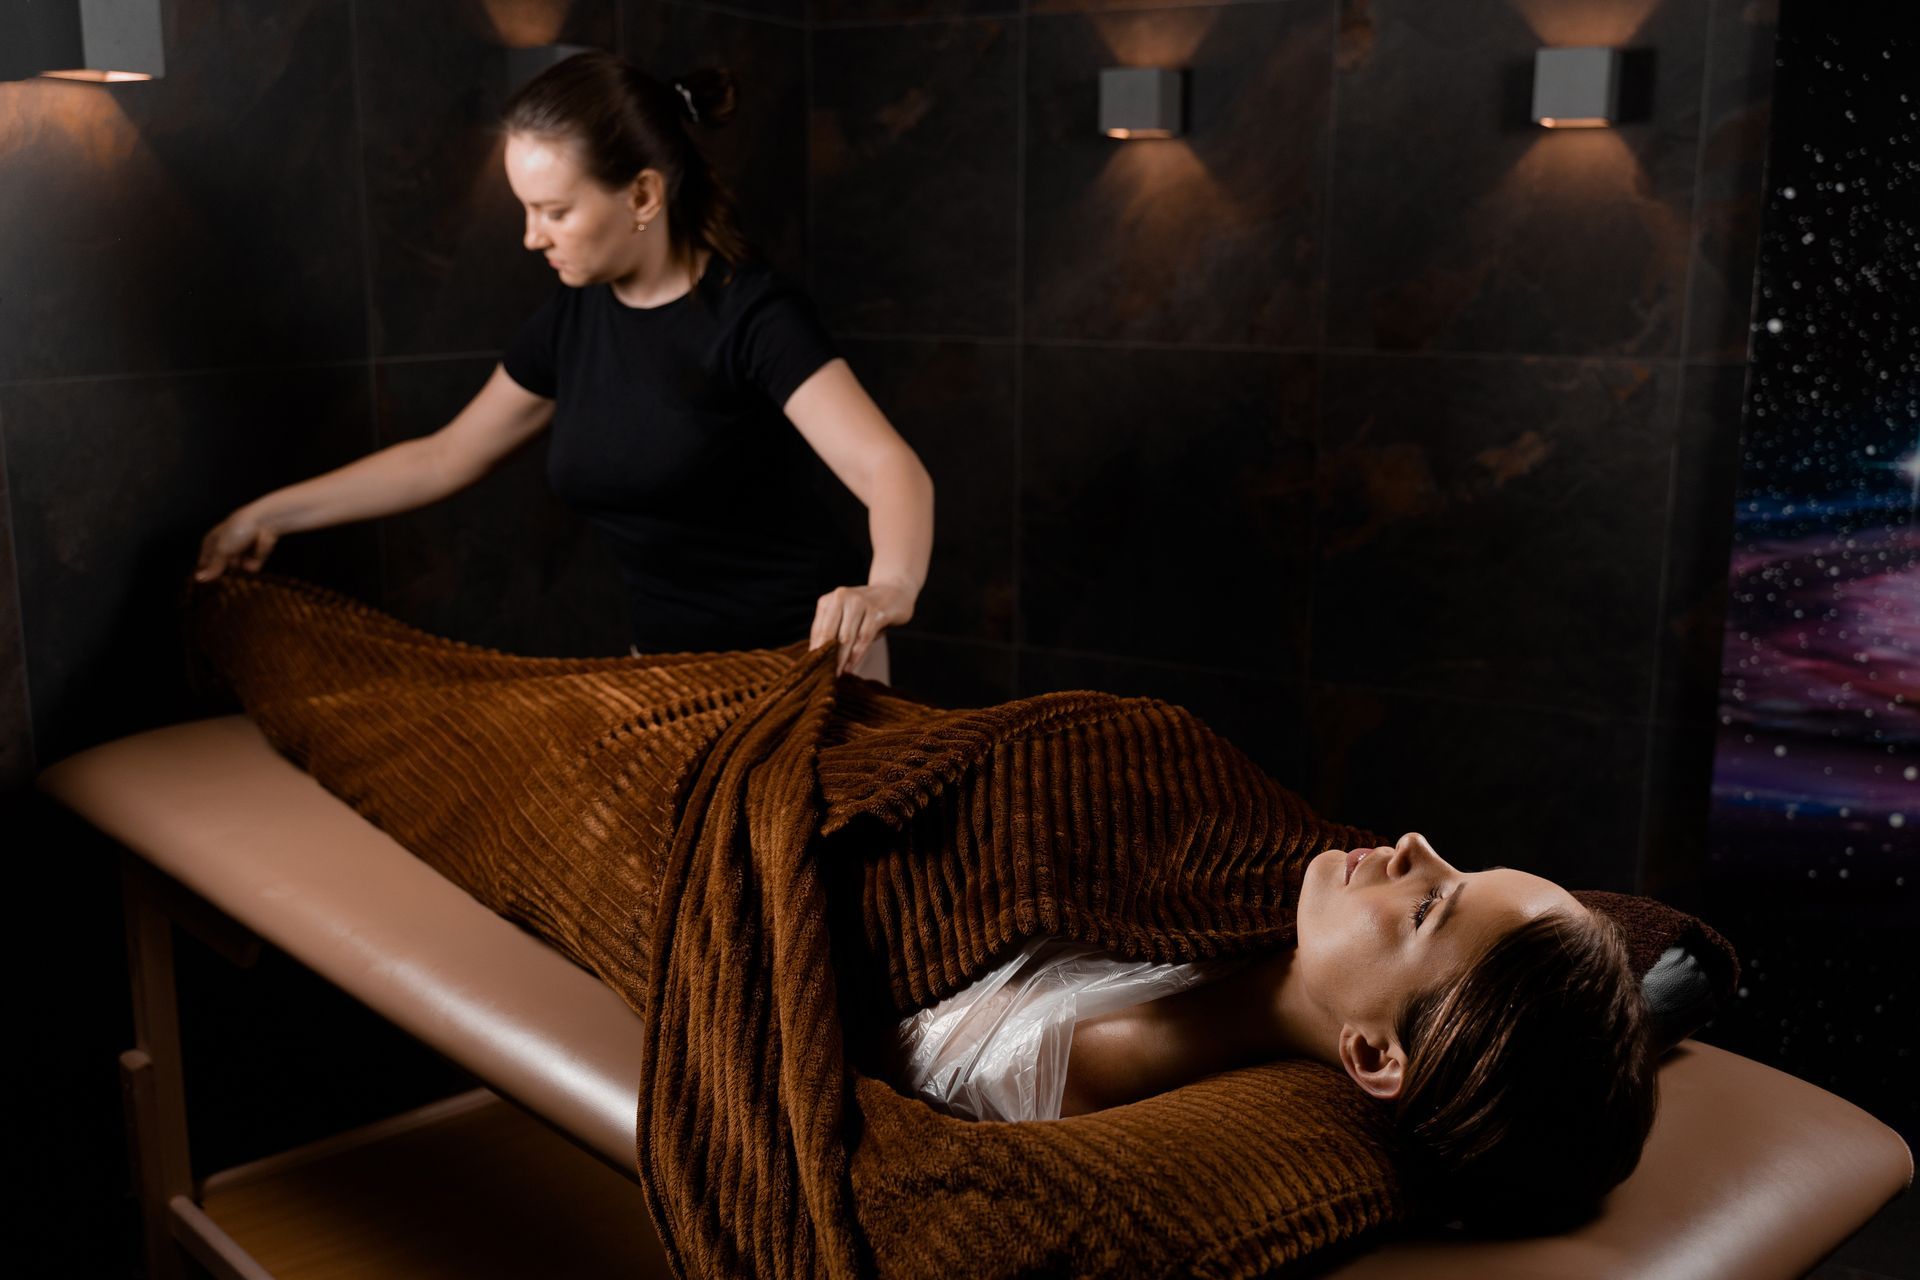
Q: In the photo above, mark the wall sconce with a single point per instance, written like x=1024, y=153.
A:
x=1576, y=88
x=1141, y=102
x=524, y=64
x=98, y=40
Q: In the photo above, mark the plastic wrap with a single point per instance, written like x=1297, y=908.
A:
x=997, y=1049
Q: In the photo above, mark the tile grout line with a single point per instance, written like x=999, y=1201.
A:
x=1146, y=8
x=1391, y=691
x=368, y=313
x=1659, y=620
x=1657, y=663
x=1253, y=348
x=807, y=146
x=1019, y=625
x=19, y=612
x=1304, y=744
x=1326, y=181
x=1699, y=164
x=734, y=11
x=219, y=370
x=985, y=340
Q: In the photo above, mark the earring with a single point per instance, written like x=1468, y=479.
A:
x=639, y=226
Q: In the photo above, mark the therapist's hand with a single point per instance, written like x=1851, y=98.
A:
x=242, y=541
x=857, y=615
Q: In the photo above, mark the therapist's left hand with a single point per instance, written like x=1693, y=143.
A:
x=857, y=615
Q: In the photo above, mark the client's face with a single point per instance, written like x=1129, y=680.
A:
x=1379, y=926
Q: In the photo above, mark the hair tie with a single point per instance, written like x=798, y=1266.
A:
x=691, y=109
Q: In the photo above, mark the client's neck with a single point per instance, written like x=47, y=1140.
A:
x=1254, y=1014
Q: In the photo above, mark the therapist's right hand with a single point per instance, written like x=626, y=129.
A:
x=241, y=541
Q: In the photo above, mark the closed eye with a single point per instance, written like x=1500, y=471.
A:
x=1425, y=905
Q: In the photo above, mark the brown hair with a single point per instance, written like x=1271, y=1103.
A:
x=623, y=120
x=1529, y=1086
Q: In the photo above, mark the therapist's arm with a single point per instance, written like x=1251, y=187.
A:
x=853, y=437
x=401, y=477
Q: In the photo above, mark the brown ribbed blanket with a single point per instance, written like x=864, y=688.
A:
x=754, y=853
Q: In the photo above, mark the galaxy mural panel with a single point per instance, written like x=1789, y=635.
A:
x=1815, y=820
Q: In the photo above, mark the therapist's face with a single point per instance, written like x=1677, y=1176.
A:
x=584, y=231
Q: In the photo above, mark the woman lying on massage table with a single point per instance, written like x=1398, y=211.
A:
x=1487, y=1008
x=724, y=839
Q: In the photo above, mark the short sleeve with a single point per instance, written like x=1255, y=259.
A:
x=783, y=343
x=529, y=358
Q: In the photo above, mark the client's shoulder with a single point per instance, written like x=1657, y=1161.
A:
x=1149, y=1048
x=1145, y=1049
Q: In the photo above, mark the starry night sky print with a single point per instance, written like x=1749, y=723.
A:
x=1815, y=824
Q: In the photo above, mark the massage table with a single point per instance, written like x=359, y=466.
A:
x=1749, y=1173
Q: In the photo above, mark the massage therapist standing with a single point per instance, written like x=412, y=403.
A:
x=674, y=368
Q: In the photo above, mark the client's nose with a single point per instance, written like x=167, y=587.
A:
x=1410, y=846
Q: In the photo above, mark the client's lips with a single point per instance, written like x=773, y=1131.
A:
x=1353, y=861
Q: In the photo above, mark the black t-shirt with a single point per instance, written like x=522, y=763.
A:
x=668, y=437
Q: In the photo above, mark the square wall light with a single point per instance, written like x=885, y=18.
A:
x=1141, y=102
x=99, y=40
x=1576, y=88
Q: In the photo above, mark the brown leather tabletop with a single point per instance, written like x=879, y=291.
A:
x=213, y=805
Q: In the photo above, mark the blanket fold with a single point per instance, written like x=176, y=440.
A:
x=741, y=1083
x=735, y=841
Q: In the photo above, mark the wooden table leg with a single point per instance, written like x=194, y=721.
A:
x=152, y=1087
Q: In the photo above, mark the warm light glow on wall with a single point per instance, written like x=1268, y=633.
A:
x=1614, y=23
x=1160, y=38
x=524, y=23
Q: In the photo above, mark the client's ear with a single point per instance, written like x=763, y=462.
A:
x=1377, y=1065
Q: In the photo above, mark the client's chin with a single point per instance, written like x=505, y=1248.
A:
x=1330, y=863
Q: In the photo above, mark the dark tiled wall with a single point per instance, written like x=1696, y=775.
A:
x=1388, y=431
x=1365, y=397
